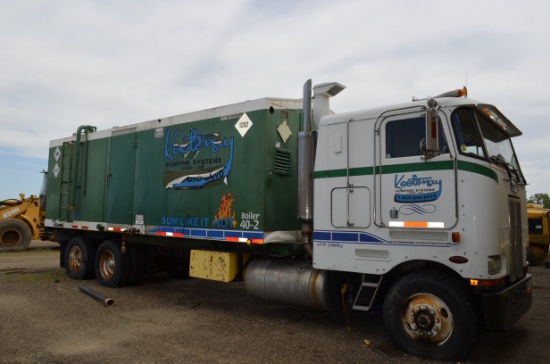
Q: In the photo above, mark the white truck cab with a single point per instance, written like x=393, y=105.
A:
x=424, y=200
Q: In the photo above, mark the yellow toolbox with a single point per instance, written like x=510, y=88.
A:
x=216, y=266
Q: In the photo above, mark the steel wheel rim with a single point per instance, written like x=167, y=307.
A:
x=10, y=238
x=427, y=318
x=75, y=258
x=107, y=264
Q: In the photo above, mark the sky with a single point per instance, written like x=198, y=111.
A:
x=104, y=63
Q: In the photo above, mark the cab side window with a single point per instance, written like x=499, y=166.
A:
x=404, y=138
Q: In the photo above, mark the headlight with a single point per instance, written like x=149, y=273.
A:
x=493, y=264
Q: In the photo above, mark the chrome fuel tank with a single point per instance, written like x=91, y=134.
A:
x=289, y=281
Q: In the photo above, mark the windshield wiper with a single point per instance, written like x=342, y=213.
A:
x=499, y=159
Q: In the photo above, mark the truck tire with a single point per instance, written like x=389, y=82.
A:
x=112, y=267
x=14, y=235
x=79, y=258
x=432, y=315
x=138, y=266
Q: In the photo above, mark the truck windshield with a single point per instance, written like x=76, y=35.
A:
x=479, y=136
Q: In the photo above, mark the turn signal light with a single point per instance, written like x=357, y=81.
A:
x=487, y=283
x=455, y=235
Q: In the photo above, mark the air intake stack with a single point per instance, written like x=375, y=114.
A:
x=306, y=153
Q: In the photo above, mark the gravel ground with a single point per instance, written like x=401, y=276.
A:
x=45, y=318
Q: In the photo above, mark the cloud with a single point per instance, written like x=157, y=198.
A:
x=101, y=63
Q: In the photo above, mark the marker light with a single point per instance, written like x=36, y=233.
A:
x=455, y=235
x=489, y=113
x=487, y=283
x=455, y=93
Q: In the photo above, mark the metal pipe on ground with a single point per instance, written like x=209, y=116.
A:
x=107, y=301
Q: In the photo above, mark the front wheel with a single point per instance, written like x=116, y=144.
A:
x=14, y=235
x=432, y=315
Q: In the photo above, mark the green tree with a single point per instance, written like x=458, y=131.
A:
x=540, y=198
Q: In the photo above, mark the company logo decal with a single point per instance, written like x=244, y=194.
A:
x=196, y=159
x=10, y=212
x=416, y=189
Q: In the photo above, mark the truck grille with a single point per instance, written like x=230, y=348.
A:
x=516, y=241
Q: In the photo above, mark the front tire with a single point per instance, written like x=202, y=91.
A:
x=432, y=315
x=15, y=235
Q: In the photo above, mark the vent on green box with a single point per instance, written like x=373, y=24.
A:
x=282, y=161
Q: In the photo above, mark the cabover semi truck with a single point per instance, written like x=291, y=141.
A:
x=415, y=210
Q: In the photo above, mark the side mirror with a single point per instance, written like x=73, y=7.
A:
x=430, y=148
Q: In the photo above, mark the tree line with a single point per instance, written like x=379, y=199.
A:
x=541, y=199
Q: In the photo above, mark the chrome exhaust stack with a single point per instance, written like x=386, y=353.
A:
x=306, y=160
x=306, y=153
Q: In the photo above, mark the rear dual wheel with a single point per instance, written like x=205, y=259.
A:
x=112, y=267
x=115, y=268
x=79, y=258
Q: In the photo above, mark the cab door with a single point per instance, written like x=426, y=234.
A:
x=413, y=192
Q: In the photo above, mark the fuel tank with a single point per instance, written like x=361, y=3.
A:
x=288, y=281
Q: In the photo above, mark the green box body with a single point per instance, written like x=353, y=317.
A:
x=227, y=173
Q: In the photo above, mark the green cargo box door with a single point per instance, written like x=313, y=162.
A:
x=121, y=177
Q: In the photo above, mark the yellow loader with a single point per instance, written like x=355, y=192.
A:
x=539, y=233
x=20, y=221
